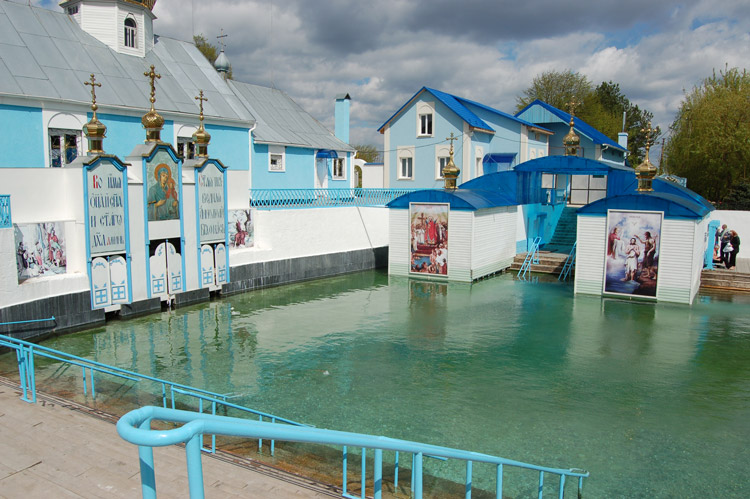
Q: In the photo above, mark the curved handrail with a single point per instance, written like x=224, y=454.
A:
x=134, y=427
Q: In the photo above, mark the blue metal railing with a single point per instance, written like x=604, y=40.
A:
x=26, y=354
x=277, y=199
x=569, y=264
x=6, y=221
x=531, y=257
x=135, y=427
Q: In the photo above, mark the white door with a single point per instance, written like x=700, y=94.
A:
x=100, y=293
x=207, y=266
x=222, y=276
x=174, y=266
x=158, y=267
x=118, y=279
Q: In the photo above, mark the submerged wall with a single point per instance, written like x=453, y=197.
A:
x=290, y=246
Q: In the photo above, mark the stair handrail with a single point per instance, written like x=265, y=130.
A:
x=135, y=427
x=531, y=257
x=570, y=261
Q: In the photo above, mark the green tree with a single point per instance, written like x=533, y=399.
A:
x=710, y=137
x=557, y=88
x=209, y=51
x=602, y=107
x=610, y=104
x=367, y=152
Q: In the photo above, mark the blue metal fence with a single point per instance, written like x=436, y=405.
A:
x=278, y=199
x=202, y=422
x=27, y=353
x=5, y=219
x=135, y=427
x=569, y=264
x=531, y=257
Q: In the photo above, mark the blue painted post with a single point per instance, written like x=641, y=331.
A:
x=562, y=487
x=395, y=473
x=146, y=461
x=364, y=470
x=194, y=467
x=468, y=479
x=541, y=483
x=378, y=474
x=343, y=480
x=32, y=376
x=93, y=388
x=83, y=375
x=499, y=482
x=21, y=359
x=273, y=442
x=418, y=476
x=260, y=440
x=164, y=395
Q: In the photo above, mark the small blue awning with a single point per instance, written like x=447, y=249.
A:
x=326, y=154
x=498, y=158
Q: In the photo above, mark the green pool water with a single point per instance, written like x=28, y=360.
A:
x=652, y=399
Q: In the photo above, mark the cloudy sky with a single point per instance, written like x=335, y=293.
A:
x=383, y=51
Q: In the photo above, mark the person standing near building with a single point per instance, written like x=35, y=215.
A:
x=734, y=240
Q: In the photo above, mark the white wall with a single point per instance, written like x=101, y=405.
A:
x=494, y=243
x=283, y=234
x=372, y=176
x=592, y=240
x=738, y=221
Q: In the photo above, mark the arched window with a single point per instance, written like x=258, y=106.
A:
x=131, y=32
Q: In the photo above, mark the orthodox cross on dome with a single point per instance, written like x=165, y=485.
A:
x=645, y=172
x=451, y=171
x=152, y=121
x=571, y=141
x=152, y=75
x=201, y=137
x=201, y=100
x=95, y=130
x=92, y=82
x=221, y=39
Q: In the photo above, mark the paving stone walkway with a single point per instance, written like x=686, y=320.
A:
x=55, y=449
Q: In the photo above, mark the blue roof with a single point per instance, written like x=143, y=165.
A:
x=580, y=125
x=460, y=199
x=672, y=205
x=458, y=106
x=573, y=165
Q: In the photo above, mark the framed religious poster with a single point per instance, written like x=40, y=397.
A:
x=428, y=225
x=631, y=264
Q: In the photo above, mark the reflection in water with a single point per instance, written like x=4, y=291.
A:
x=640, y=394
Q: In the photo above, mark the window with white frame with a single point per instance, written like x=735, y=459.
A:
x=339, y=168
x=405, y=163
x=64, y=146
x=277, y=163
x=131, y=33
x=185, y=148
x=406, y=168
x=425, y=119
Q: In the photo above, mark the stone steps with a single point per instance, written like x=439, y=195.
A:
x=549, y=263
x=725, y=279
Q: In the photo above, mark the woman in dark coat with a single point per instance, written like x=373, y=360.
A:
x=735, y=240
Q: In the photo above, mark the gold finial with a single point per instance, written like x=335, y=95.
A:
x=646, y=171
x=152, y=121
x=201, y=137
x=451, y=171
x=95, y=130
x=571, y=141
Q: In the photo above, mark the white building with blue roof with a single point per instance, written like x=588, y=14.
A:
x=594, y=144
x=416, y=149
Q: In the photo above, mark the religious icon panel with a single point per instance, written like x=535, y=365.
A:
x=632, y=260
x=162, y=175
x=429, y=238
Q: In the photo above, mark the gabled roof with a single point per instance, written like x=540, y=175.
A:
x=282, y=121
x=555, y=115
x=460, y=199
x=459, y=106
x=46, y=55
x=672, y=205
